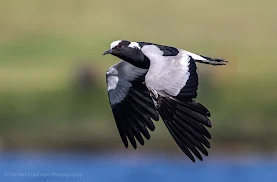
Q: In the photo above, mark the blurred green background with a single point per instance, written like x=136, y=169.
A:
x=53, y=92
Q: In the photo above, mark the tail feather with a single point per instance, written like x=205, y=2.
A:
x=212, y=61
x=207, y=60
x=185, y=122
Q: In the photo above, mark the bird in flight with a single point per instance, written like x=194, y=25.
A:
x=153, y=81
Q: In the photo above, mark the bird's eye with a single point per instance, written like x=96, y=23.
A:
x=119, y=45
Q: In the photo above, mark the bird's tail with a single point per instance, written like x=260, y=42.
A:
x=212, y=61
x=185, y=122
x=207, y=60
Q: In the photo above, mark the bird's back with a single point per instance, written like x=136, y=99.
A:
x=166, y=73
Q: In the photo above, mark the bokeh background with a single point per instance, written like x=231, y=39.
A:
x=55, y=117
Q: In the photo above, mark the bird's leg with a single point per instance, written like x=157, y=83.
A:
x=154, y=94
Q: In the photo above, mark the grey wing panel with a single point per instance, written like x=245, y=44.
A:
x=131, y=103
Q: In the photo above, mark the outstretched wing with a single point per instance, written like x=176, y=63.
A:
x=175, y=78
x=131, y=103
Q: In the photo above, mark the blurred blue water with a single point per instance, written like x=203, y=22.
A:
x=29, y=167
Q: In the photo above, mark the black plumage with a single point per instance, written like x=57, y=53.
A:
x=131, y=104
x=167, y=50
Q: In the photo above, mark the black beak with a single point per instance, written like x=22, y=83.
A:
x=107, y=52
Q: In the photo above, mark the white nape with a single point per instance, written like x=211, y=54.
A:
x=134, y=44
x=115, y=43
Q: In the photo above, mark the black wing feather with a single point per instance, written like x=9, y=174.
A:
x=131, y=103
x=185, y=126
x=186, y=119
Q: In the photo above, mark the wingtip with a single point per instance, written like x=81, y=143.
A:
x=209, y=124
x=134, y=145
x=156, y=118
x=125, y=142
x=192, y=159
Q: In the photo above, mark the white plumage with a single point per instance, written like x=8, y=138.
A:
x=166, y=73
x=134, y=45
x=115, y=43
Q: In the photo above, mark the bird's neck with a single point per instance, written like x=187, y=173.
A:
x=136, y=58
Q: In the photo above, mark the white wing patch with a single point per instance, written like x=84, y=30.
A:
x=112, y=82
x=113, y=79
x=115, y=43
x=166, y=73
x=112, y=71
x=119, y=80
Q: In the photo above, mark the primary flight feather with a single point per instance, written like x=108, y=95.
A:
x=153, y=80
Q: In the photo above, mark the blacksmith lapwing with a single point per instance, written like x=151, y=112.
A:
x=153, y=80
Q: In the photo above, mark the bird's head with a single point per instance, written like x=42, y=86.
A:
x=128, y=51
x=122, y=48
